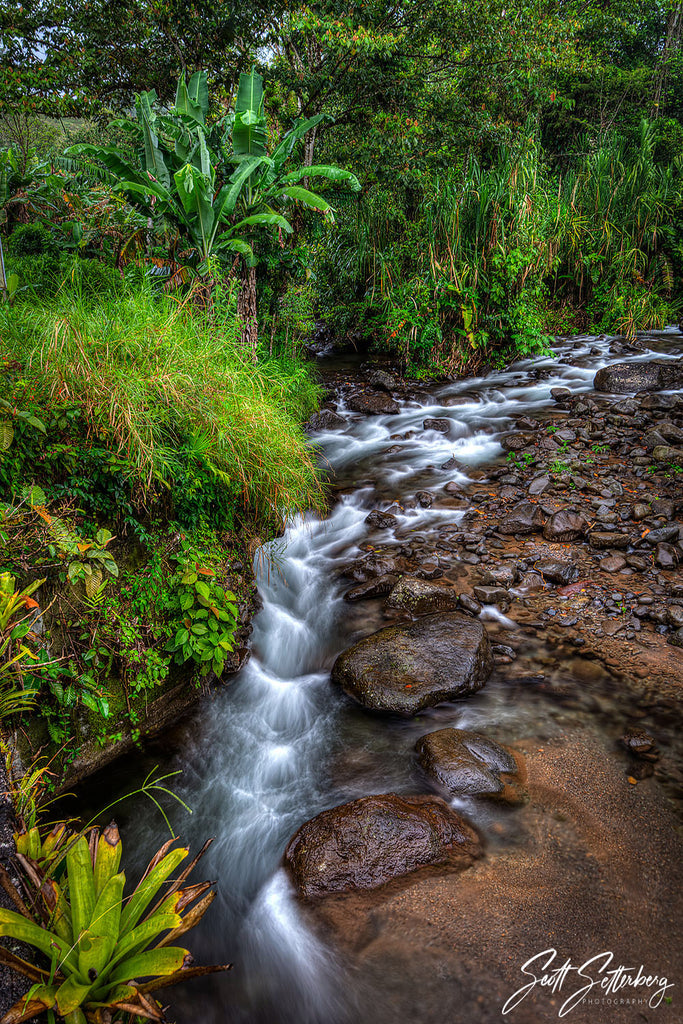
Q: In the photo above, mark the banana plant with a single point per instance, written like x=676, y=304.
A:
x=106, y=953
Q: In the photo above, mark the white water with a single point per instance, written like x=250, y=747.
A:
x=279, y=744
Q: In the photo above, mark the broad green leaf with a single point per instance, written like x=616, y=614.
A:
x=81, y=885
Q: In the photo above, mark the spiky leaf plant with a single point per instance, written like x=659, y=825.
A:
x=102, y=953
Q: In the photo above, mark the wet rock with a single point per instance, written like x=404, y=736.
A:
x=428, y=571
x=638, y=742
x=468, y=764
x=605, y=539
x=647, y=376
x=676, y=639
x=491, y=595
x=326, y=420
x=368, y=567
x=368, y=842
x=565, y=526
x=383, y=381
x=419, y=597
x=503, y=652
x=662, y=535
x=539, y=484
x=555, y=571
x=379, y=586
x=469, y=604
x=408, y=667
x=516, y=442
x=425, y=499
x=666, y=556
x=381, y=520
x=502, y=575
x=674, y=616
x=442, y=425
x=627, y=407
x=640, y=511
x=523, y=518
x=664, y=453
x=373, y=403
x=560, y=394
x=454, y=463
x=613, y=563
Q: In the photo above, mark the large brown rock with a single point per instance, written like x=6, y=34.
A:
x=651, y=376
x=415, y=665
x=369, y=842
x=467, y=764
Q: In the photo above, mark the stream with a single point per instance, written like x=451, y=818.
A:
x=279, y=743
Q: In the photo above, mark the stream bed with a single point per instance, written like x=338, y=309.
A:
x=279, y=744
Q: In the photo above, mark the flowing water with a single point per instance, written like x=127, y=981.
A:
x=279, y=744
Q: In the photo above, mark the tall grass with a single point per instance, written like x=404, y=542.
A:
x=153, y=378
x=476, y=268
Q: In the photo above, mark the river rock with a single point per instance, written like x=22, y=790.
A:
x=326, y=420
x=378, y=586
x=539, y=484
x=469, y=604
x=467, y=764
x=565, y=526
x=648, y=376
x=560, y=394
x=382, y=381
x=366, y=843
x=603, y=539
x=381, y=520
x=415, y=665
x=491, y=595
x=442, y=425
x=523, y=518
x=375, y=403
x=664, y=534
x=368, y=567
x=613, y=563
x=674, y=616
x=666, y=556
x=555, y=571
x=421, y=597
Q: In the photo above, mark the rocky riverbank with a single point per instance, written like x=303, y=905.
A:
x=568, y=547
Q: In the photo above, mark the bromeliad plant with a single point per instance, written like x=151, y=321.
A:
x=106, y=952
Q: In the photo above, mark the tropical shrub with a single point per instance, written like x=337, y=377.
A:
x=100, y=946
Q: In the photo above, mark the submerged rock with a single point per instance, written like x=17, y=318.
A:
x=377, y=586
x=368, y=842
x=442, y=425
x=415, y=665
x=468, y=764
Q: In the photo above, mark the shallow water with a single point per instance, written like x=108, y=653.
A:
x=279, y=744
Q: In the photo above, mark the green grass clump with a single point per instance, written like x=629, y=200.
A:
x=160, y=383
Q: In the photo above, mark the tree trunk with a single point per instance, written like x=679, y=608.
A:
x=247, y=310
